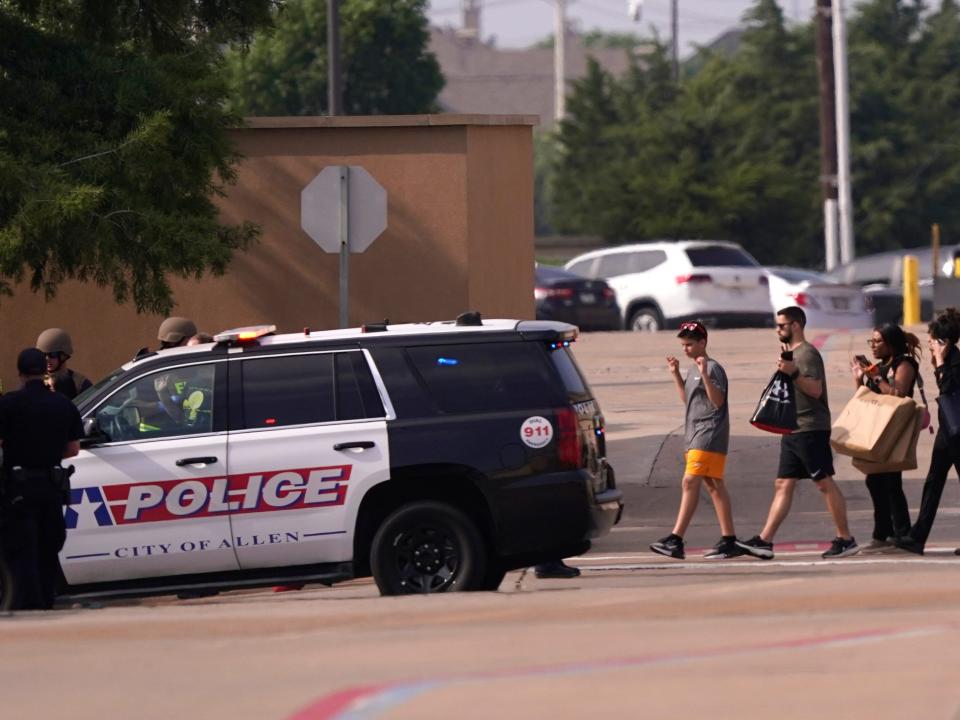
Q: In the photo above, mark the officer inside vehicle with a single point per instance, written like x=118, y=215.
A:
x=56, y=344
x=186, y=396
x=38, y=428
x=173, y=402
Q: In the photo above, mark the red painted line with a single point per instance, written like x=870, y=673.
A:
x=388, y=696
x=329, y=706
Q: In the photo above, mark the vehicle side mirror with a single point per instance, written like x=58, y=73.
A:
x=92, y=434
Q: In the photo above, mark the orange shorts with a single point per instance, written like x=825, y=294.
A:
x=704, y=463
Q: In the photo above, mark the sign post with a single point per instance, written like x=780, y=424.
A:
x=343, y=209
x=344, y=212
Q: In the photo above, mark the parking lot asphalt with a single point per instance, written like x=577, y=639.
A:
x=637, y=635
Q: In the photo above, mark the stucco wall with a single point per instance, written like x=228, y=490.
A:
x=459, y=236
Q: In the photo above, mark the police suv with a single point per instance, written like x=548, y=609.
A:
x=434, y=456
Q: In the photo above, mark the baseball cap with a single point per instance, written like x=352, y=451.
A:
x=31, y=361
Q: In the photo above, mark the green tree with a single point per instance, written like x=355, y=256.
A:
x=728, y=153
x=387, y=68
x=588, y=190
x=113, y=142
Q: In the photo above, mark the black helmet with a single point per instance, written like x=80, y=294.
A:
x=175, y=330
x=55, y=340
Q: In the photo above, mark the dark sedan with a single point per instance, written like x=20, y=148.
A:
x=564, y=296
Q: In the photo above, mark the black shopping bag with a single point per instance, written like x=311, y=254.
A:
x=777, y=410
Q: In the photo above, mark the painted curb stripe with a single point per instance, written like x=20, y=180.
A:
x=365, y=702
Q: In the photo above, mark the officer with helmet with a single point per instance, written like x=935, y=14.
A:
x=175, y=331
x=38, y=428
x=56, y=344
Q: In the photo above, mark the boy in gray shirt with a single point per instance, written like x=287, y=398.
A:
x=707, y=437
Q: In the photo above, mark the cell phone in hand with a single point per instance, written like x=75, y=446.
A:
x=862, y=360
x=786, y=355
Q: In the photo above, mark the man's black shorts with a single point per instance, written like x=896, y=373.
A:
x=806, y=455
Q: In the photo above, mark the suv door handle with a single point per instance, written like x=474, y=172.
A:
x=196, y=461
x=359, y=445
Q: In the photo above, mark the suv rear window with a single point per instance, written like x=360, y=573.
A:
x=576, y=387
x=719, y=256
x=486, y=377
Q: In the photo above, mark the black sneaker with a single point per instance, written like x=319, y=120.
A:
x=671, y=546
x=841, y=548
x=724, y=550
x=556, y=570
x=757, y=547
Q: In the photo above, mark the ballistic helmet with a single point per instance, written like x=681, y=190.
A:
x=55, y=340
x=175, y=330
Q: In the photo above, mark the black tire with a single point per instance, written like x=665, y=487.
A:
x=6, y=587
x=645, y=318
x=427, y=547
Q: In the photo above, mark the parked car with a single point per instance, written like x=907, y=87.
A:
x=566, y=297
x=881, y=277
x=827, y=303
x=434, y=456
x=662, y=284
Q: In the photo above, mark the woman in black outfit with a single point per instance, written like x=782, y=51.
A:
x=895, y=373
x=944, y=336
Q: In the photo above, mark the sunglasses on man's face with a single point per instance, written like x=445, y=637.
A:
x=781, y=326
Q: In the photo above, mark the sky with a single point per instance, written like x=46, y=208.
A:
x=520, y=23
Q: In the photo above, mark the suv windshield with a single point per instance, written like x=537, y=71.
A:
x=94, y=390
x=719, y=256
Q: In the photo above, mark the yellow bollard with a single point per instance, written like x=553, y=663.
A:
x=956, y=267
x=911, y=290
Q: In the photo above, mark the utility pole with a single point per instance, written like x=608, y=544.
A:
x=559, y=59
x=334, y=87
x=471, y=19
x=844, y=193
x=828, y=136
x=675, y=34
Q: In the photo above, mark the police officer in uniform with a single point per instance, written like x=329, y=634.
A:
x=38, y=428
x=58, y=347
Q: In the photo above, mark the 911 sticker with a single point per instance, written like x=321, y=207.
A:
x=536, y=432
x=205, y=497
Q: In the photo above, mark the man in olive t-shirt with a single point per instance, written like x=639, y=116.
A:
x=806, y=452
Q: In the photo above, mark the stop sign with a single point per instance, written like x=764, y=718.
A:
x=320, y=209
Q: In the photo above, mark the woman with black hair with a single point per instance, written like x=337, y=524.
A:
x=896, y=372
x=944, y=336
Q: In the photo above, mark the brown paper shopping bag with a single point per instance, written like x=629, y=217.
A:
x=903, y=456
x=871, y=424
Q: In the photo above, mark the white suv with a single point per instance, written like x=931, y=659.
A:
x=662, y=284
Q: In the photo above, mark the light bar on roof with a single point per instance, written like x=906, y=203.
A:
x=250, y=333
